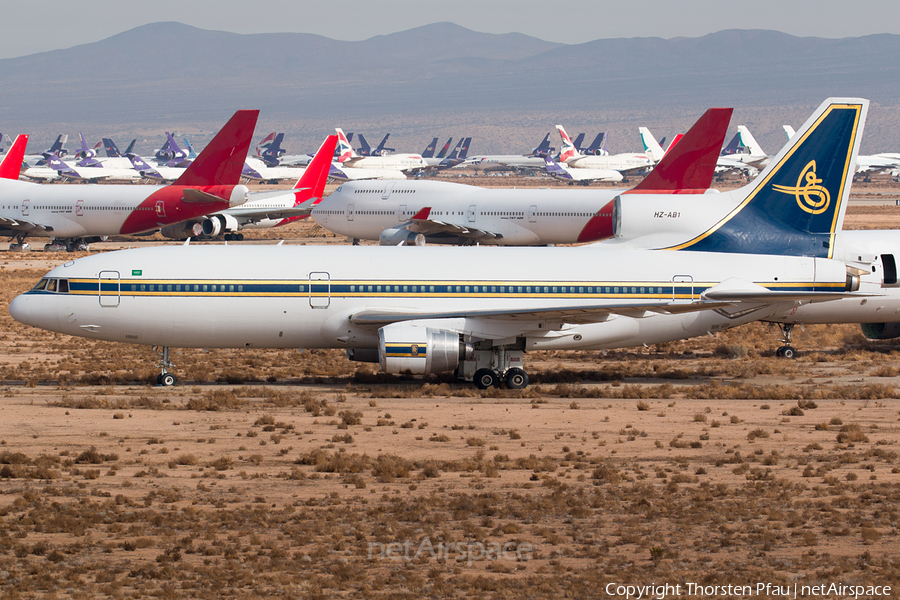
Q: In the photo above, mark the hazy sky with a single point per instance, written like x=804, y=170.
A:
x=29, y=28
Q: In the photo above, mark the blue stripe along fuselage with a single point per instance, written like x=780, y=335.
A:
x=411, y=289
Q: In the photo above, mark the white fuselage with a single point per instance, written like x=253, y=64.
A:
x=399, y=162
x=521, y=217
x=351, y=174
x=617, y=162
x=327, y=297
x=516, y=161
x=267, y=173
x=72, y=211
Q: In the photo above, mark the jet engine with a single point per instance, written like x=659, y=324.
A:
x=398, y=236
x=180, y=231
x=404, y=347
x=881, y=331
x=217, y=224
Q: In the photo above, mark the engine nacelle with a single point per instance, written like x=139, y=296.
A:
x=881, y=331
x=217, y=224
x=398, y=236
x=404, y=347
x=180, y=231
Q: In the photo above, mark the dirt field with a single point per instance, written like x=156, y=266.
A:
x=301, y=475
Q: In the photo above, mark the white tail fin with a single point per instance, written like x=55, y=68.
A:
x=345, y=150
x=567, y=149
x=651, y=146
x=789, y=131
x=748, y=141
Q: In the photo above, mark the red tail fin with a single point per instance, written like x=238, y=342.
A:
x=222, y=160
x=312, y=183
x=691, y=164
x=12, y=162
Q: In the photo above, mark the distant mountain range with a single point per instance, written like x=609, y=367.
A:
x=506, y=89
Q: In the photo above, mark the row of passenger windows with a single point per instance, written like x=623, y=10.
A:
x=177, y=287
x=505, y=289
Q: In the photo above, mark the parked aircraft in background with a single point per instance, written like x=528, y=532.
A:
x=458, y=156
x=74, y=216
x=544, y=148
x=431, y=148
x=340, y=173
x=256, y=170
x=624, y=163
x=56, y=149
x=581, y=176
x=264, y=210
x=157, y=173
x=366, y=150
x=58, y=169
x=412, y=212
x=350, y=160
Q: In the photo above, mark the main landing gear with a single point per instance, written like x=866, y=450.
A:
x=19, y=245
x=64, y=245
x=493, y=365
x=786, y=351
x=234, y=237
x=165, y=378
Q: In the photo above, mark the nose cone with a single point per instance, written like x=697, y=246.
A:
x=20, y=308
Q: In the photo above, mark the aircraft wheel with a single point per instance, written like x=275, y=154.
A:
x=228, y=237
x=516, y=379
x=239, y=237
x=167, y=379
x=780, y=352
x=485, y=378
x=788, y=352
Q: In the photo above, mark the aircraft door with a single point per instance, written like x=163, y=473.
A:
x=25, y=206
x=319, y=289
x=682, y=288
x=470, y=214
x=401, y=213
x=387, y=191
x=350, y=210
x=889, y=270
x=532, y=214
x=109, y=288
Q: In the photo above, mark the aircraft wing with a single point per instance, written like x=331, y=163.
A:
x=22, y=225
x=730, y=293
x=572, y=315
x=422, y=223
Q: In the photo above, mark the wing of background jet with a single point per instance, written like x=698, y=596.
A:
x=422, y=223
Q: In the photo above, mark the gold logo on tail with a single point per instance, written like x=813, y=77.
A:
x=811, y=196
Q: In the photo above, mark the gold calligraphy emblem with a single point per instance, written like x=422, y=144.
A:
x=811, y=196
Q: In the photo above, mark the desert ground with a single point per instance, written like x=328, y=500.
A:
x=297, y=474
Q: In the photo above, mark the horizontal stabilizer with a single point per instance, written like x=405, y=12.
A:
x=195, y=196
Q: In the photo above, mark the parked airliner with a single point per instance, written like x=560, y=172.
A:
x=264, y=209
x=73, y=216
x=412, y=212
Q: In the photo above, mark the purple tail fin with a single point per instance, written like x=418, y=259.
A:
x=141, y=166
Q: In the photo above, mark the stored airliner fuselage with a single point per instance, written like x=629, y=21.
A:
x=436, y=309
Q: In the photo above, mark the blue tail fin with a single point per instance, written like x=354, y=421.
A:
x=112, y=151
x=364, y=148
x=429, y=150
x=797, y=204
x=595, y=145
x=445, y=149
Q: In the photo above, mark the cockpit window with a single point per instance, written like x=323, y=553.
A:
x=59, y=286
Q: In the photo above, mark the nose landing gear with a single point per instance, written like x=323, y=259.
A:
x=786, y=351
x=165, y=378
